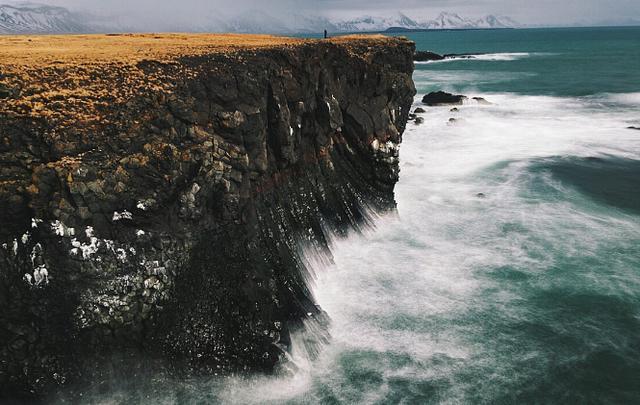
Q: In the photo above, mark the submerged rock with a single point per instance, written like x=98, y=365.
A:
x=454, y=109
x=161, y=215
x=440, y=98
x=419, y=110
x=419, y=120
x=481, y=100
x=632, y=127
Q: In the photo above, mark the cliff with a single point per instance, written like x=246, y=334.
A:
x=156, y=190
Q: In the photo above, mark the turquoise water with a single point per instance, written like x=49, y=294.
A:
x=511, y=273
x=561, y=61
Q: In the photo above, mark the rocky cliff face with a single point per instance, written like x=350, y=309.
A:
x=158, y=207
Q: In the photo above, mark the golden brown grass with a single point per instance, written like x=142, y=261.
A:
x=41, y=50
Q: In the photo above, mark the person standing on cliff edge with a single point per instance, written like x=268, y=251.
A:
x=326, y=34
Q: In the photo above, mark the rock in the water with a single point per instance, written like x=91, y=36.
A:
x=632, y=127
x=426, y=56
x=454, y=109
x=482, y=100
x=419, y=120
x=481, y=195
x=452, y=120
x=419, y=110
x=439, y=98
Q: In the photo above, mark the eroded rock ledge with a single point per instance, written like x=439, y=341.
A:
x=153, y=199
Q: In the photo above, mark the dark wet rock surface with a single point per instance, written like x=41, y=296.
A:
x=441, y=98
x=426, y=56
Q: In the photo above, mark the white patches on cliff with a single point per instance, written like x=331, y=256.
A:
x=87, y=249
x=61, y=229
x=119, y=216
x=40, y=275
x=121, y=255
x=375, y=144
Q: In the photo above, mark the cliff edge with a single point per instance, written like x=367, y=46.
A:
x=156, y=190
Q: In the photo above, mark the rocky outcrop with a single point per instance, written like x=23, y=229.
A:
x=427, y=56
x=158, y=207
x=440, y=98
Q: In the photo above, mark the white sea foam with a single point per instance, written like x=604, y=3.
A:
x=624, y=98
x=486, y=57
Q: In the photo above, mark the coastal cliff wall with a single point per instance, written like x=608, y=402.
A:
x=158, y=206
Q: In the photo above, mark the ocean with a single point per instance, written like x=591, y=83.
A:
x=511, y=271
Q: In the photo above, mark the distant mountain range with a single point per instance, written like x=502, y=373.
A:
x=28, y=18
x=25, y=18
x=401, y=21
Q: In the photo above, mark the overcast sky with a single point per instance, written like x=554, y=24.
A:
x=548, y=12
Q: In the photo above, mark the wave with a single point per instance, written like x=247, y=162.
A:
x=498, y=57
x=622, y=98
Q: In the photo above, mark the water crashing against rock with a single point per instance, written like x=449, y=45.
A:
x=169, y=228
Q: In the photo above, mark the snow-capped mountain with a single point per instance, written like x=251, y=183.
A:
x=402, y=21
x=449, y=21
x=36, y=18
x=492, y=21
x=372, y=23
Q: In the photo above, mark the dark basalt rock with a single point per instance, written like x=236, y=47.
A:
x=419, y=110
x=426, y=56
x=5, y=91
x=419, y=120
x=454, y=109
x=168, y=226
x=632, y=127
x=440, y=98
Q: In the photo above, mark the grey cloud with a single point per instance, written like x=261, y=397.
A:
x=526, y=11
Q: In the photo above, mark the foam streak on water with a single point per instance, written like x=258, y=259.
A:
x=506, y=56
